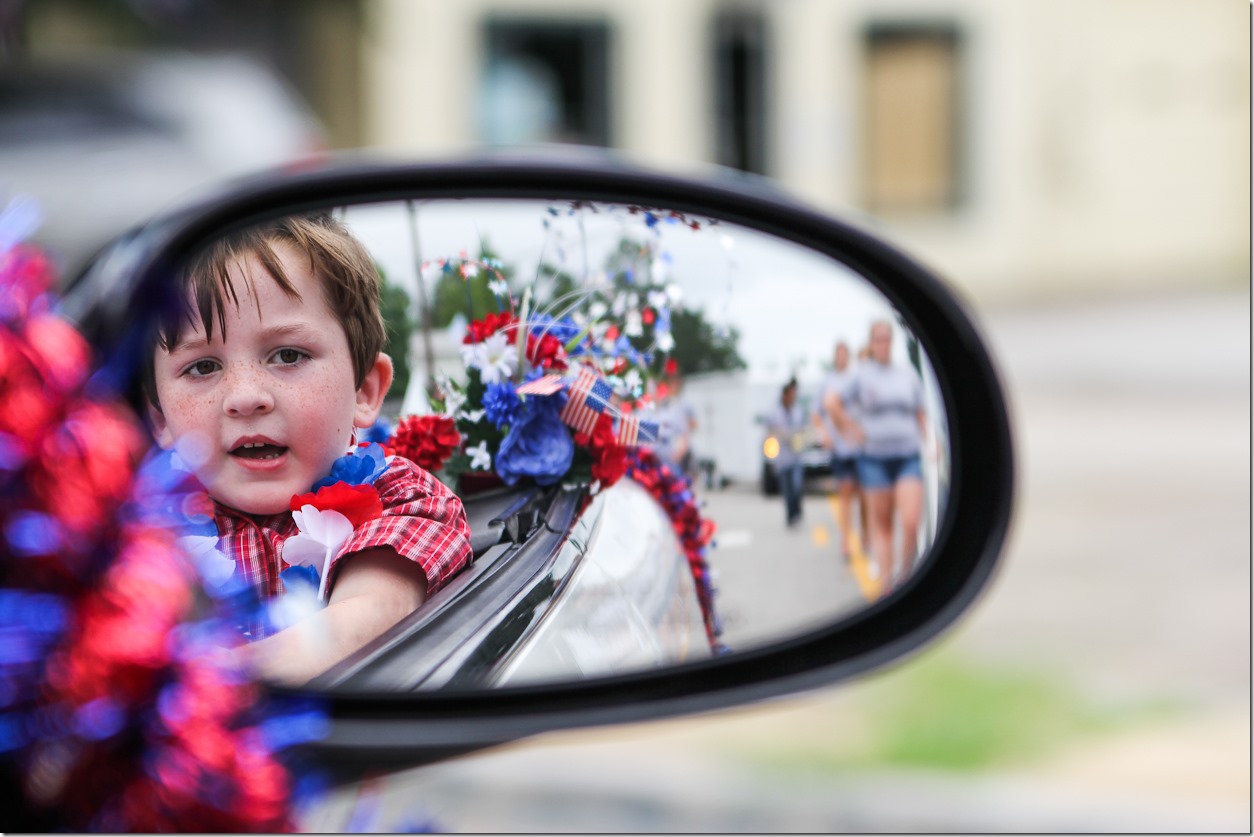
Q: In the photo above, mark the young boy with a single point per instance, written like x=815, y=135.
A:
x=261, y=380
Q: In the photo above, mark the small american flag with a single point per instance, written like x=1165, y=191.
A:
x=632, y=431
x=546, y=385
x=589, y=397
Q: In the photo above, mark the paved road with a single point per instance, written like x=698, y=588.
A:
x=810, y=583
x=1127, y=574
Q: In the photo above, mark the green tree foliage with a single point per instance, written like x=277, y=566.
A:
x=400, y=323
x=699, y=346
x=468, y=295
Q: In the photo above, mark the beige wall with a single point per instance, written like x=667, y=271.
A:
x=1107, y=141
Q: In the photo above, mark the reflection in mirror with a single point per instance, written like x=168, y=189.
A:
x=672, y=437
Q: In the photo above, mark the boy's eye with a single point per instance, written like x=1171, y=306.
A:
x=201, y=368
x=289, y=356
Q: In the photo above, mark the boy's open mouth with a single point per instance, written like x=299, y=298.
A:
x=258, y=450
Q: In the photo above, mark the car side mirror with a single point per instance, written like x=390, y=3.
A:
x=533, y=636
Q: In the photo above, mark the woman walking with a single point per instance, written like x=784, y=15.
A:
x=891, y=427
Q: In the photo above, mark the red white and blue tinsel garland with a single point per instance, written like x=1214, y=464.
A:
x=673, y=492
x=114, y=715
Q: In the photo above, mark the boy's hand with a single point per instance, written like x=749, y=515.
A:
x=373, y=591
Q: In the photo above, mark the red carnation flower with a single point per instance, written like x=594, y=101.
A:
x=609, y=459
x=426, y=440
x=546, y=352
x=480, y=330
x=359, y=503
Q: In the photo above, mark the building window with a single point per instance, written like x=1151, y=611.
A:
x=912, y=136
x=545, y=82
x=740, y=90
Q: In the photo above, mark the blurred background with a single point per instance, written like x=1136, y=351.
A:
x=1079, y=170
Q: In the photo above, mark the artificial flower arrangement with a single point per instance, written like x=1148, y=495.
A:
x=559, y=393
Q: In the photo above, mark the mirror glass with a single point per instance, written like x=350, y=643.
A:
x=673, y=437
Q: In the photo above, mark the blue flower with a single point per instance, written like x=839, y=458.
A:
x=296, y=577
x=624, y=349
x=538, y=445
x=663, y=322
x=501, y=403
x=379, y=432
x=362, y=466
x=564, y=329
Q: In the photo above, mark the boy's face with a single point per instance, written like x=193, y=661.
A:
x=263, y=414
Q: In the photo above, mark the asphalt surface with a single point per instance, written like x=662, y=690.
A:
x=1127, y=574
x=805, y=582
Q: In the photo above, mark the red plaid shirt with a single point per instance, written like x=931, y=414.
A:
x=422, y=520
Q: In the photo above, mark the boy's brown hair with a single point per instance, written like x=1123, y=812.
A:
x=349, y=278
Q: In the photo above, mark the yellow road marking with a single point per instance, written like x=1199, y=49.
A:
x=859, y=565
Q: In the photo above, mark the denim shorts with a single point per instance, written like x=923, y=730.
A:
x=886, y=471
x=844, y=468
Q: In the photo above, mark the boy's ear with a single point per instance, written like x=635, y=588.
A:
x=160, y=428
x=372, y=391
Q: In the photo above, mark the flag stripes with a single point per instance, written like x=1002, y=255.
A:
x=589, y=397
x=546, y=385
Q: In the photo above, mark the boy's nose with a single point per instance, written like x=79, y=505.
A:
x=246, y=395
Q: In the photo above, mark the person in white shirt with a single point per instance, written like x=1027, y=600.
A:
x=787, y=423
x=890, y=425
x=844, y=451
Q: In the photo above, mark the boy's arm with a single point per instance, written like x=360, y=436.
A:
x=373, y=591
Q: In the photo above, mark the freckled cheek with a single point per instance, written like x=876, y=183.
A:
x=326, y=407
x=188, y=412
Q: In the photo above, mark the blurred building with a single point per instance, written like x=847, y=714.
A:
x=1035, y=146
x=1023, y=148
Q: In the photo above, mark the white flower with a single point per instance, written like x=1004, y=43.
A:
x=453, y=400
x=471, y=416
x=499, y=287
x=665, y=342
x=480, y=458
x=472, y=355
x=657, y=299
x=634, y=326
x=322, y=533
x=470, y=269
x=632, y=380
x=658, y=271
x=495, y=358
